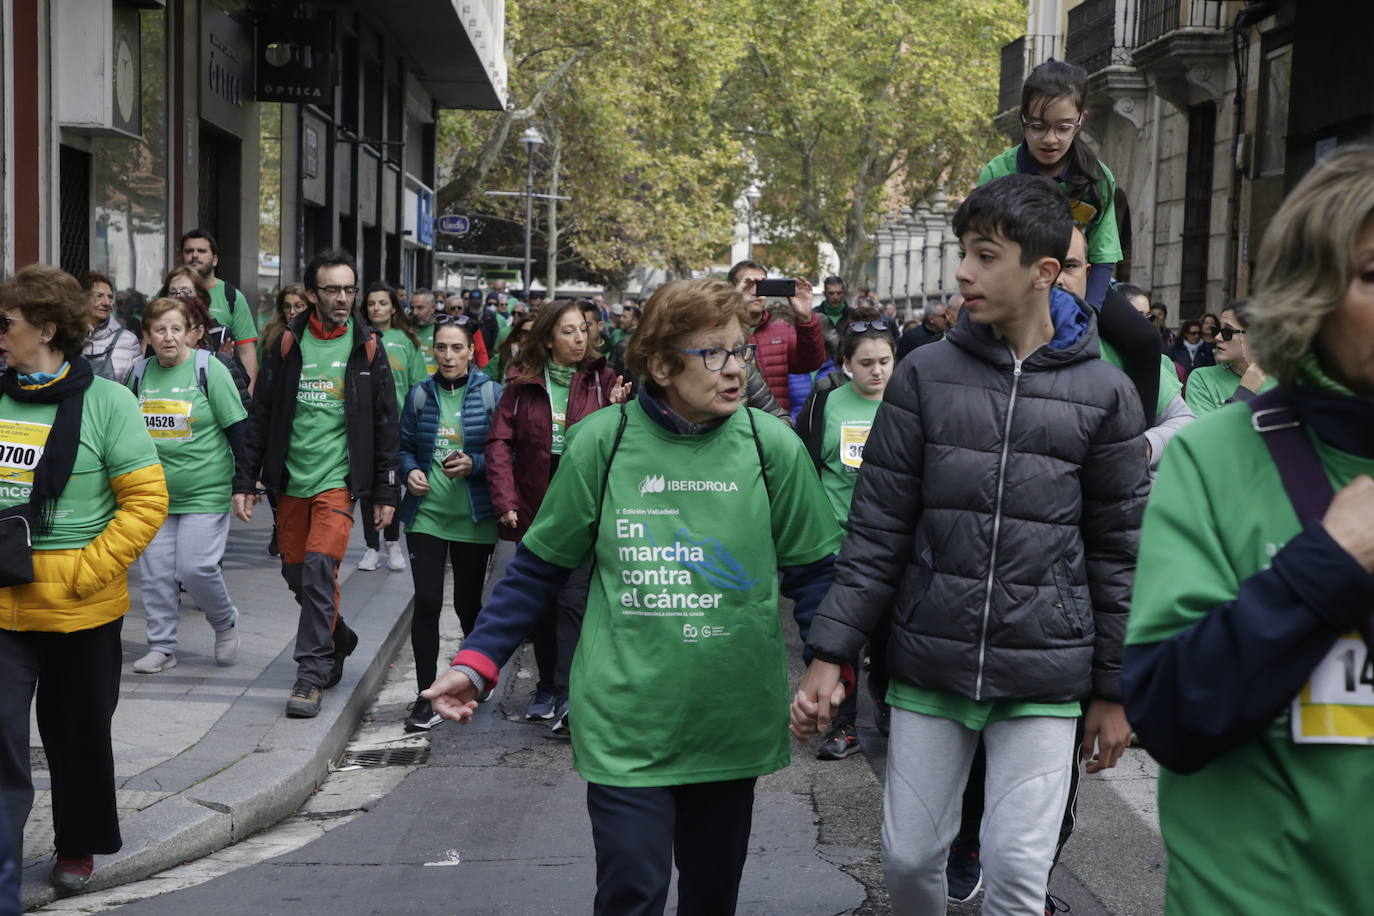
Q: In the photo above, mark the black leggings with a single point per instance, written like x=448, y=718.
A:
x=393, y=531
x=427, y=557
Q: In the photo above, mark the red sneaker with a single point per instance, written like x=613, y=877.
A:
x=72, y=873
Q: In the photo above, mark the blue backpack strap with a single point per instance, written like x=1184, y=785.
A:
x=1300, y=468
x=202, y=371
x=136, y=380
x=416, y=400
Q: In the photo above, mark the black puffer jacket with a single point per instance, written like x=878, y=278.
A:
x=997, y=515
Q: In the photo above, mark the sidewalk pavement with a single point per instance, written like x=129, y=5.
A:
x=204, y=755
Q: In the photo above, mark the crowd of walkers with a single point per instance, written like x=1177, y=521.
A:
x=1003, y=509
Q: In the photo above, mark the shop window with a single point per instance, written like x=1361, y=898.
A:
x=128, y=179
x=1275, y=80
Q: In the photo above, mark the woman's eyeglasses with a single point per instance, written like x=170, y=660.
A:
x=1229, y=333
x=714, y=358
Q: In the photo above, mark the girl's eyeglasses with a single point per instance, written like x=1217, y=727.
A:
x=1229, y=333
x=1064, y=130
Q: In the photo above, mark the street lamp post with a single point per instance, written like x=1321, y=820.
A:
x=530, y=139
x=752, y=195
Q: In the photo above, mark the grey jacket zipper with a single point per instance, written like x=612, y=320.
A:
x=996, y=526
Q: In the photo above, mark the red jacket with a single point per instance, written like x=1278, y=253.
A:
x=783, y=348
x=520, y=444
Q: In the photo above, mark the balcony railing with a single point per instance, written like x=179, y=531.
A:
x=1097, y=29
x=1159, y=17
x=1018, y=58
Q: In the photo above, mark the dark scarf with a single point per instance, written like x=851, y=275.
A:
x=54, y=469
x=1342, y=421
x=449, y=384
x=673, y=421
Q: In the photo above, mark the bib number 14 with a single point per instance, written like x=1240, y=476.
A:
x=1337, y=704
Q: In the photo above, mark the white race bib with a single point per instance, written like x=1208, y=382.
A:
x=853, y=437
x=167, y=419
x=1336, y=706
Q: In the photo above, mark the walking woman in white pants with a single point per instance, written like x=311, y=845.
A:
x=194, y=414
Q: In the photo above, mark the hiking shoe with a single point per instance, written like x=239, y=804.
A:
x=395, y=556
x=838, y=743
x=155, y=661
x=304, y=702
x=343, y=648
x=72, y=873
x=422, y=716
x=370, y=560
x=963, y=873
x=1055, y=904
x=543, y=706
x=227, y=646
x=560, y=727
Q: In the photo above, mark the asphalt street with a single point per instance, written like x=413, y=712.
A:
x=495, y=823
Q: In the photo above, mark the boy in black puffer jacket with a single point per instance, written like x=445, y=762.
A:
x=996, y=517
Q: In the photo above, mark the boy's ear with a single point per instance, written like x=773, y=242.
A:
x=1044, y=272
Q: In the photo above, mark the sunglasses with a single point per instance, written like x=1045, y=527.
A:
x=454, y=319
x=858, y=327
x=1229, y=333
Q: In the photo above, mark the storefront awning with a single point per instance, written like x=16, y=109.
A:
x=456, y=48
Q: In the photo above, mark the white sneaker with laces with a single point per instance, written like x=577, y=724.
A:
x=369, y=561
x=154, y=662
x=395, y=557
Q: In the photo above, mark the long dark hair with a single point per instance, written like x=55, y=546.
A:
x=399, y=320
x=274, y=327
x=534, y=352
x=1057, y=79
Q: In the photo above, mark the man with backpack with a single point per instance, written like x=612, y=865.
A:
x=228, y=305
x=322, y=434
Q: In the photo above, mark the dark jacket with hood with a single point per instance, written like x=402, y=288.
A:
x=997, y=515
x=369, y=416
x=520, y=444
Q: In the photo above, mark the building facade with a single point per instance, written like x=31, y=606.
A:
x=1207, y=112
x=280, y=127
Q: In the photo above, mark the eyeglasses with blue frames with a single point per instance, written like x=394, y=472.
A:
x=714, y=358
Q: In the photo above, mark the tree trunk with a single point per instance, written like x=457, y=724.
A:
x=555, y=141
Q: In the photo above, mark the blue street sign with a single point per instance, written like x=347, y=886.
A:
x=454, y=225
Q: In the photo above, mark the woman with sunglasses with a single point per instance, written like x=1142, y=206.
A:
x=80, y=469
x=555, y=382
x=407, y=362
x=834, y=426
x=1236, y=377
x=1053, y=101
x=508, y=352
x=688, y=505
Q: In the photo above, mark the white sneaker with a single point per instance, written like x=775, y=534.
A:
x=227, y=646
x=369, y=561
x=395, y=557
x=154, y=662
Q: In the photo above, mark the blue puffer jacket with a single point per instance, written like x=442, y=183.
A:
x=420, y=426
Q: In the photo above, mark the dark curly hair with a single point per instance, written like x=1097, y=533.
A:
x=45, y=295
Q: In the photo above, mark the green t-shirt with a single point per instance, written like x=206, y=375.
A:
x=407, y=362
x=1211, y=386
x=1098, y=224
x=558, y=403
x=680, y=674
x=317, y=459
x=426, y=335
x=238, y=320
x=1169, y=385
x=972, y=714
x=446, y=510
x=188, y=430
x=114, y=441
x=1217, y=515
x=848, y=418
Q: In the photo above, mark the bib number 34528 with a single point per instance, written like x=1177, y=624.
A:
x=1337, y=704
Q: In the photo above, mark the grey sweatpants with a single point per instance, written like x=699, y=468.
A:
x=186, y=549
x=1029, y=763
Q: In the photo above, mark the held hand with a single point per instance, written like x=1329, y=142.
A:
x=1350, y=520
x=801, y=302
x=243, y=505
x=1104, y=723
x=817, y=696
x=1253, y=378
x=452, y=696
x=460, y=467
x=621, y=391
x=382, y=515
x=510, y=519
x=417, y=482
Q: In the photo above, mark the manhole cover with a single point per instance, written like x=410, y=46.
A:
x=385, y=757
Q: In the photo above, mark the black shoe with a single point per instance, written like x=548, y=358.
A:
x=422, y=716
x=273, y=547
x=963, y=873
x=882, y=717
x=304, y=702
x=838, y=743
x=561, y=727
x=1054, y=905
x=343, y=648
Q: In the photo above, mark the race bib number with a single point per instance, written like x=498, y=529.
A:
x=21, y=448
x=853, y=436
x=167, y=419
x=1083, y=213
x=1337, y=704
